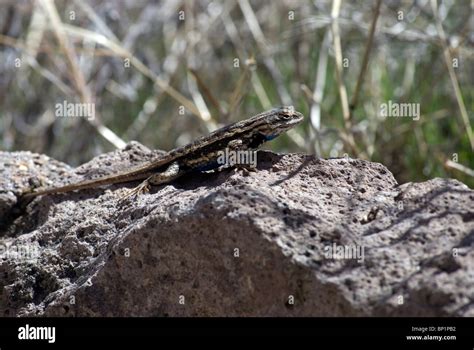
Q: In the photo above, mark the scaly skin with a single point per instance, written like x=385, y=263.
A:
x=199, y=155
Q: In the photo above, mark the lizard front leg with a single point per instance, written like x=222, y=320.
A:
x=236, y=146
x=171, y=173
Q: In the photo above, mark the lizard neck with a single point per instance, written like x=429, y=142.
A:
x=257, y=140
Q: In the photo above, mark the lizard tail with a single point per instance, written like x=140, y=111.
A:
x=94, y=183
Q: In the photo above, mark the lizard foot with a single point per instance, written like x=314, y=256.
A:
x=144, y=187
x=245, y=169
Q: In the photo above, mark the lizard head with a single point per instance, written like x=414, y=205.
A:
x=283, y=119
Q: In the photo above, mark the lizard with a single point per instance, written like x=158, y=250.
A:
x=200, y=155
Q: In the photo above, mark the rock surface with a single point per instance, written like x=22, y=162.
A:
x=236, y=243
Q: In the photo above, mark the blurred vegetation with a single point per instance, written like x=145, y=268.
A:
x=168, y=71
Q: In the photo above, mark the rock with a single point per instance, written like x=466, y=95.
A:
x=301, y=236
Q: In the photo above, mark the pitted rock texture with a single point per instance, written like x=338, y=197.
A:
x=236, y=243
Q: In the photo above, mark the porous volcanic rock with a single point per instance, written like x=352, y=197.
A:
x=234, y=242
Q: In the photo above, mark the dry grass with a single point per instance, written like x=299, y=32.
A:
x=164, y=79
